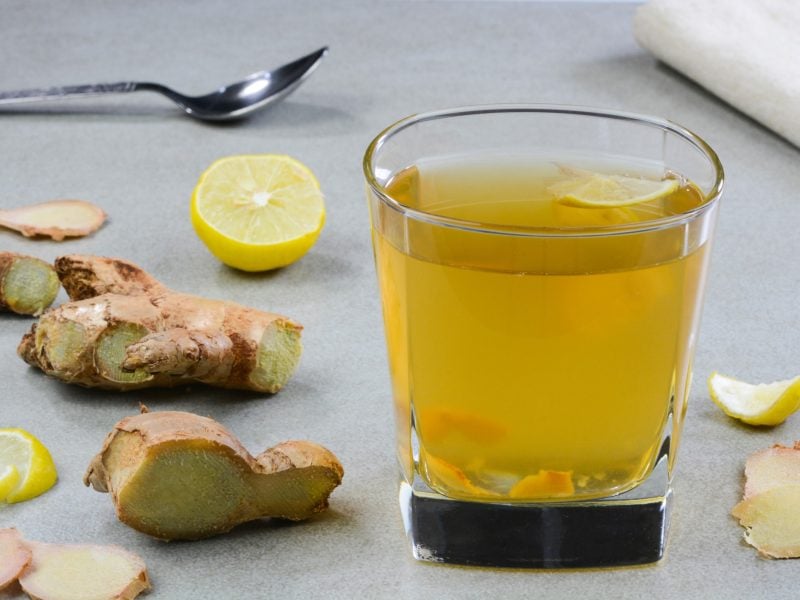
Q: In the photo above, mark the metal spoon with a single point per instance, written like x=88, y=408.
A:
x=228, y=102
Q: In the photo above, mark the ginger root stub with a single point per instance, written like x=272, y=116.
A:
x=125, y=330
x=27, y=285
x=176, y=475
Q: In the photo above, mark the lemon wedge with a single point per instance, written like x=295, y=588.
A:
x=9, y=478
x=760, y=404
x=588, y=189
x=258, y=212
x=32, y=462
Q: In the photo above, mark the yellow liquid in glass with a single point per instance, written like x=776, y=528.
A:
x=534, y=368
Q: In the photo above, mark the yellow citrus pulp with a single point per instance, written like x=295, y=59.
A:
x=258, y=212
x=26, y=467
x=587, y=189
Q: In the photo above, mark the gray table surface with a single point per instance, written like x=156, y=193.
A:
x=139, y=158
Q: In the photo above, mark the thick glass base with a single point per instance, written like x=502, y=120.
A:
x=626, y=529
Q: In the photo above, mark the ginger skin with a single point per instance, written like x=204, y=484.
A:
x=176, y=475
x=27, y=285
x=125, y=330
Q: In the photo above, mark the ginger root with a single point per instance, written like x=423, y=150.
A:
x=56, y=219
x=125, y=330
x=70, y=571
x=27, y=285
x=768, y=511
x=176, y=475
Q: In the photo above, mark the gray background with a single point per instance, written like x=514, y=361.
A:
x=139, y=158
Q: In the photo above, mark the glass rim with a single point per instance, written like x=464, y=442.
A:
x=541, y=231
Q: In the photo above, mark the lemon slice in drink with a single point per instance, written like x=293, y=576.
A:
x=760, y=404
x=588, y=189
x=258, y=212
x=36, y=472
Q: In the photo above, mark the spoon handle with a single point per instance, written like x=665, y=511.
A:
x=54, y=93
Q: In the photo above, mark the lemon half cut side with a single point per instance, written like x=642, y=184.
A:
x=258, y=212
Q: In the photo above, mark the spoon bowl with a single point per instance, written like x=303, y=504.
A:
x=229, y=102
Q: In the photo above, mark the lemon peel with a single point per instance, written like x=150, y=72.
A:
x=755, y=404
x=588, y=189
x=258, y=212
x=32, y=461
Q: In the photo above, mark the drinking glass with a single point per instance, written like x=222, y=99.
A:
x=539, y=352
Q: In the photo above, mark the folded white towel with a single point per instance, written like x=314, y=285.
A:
x=747, y=52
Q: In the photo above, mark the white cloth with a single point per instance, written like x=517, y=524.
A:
x=747, y=52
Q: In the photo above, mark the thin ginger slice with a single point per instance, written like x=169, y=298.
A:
x=14, y=556
x=771, y=521
x=771, y=502
x=83, y=572
x=544, y=484
x=56, y=219
x=770, y=468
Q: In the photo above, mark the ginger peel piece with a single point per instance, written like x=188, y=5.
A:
x=56, y=219
x=14, y=556
x=454, y=480
x=175, y=475
x=83, y=572
x=544, y=484
x=440, y=423
x=771, y=502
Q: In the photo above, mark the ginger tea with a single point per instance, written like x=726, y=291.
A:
x=533, y=356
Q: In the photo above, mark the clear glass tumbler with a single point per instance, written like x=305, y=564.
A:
x=541, y=270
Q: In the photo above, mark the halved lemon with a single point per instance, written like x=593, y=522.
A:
x=759, y=404
x=258, y=212
x=31, y=460
x=588, y=189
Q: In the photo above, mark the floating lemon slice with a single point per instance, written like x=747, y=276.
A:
x=32, y=462
x=595, y=190
x=258, y=212
x=761, y=404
